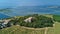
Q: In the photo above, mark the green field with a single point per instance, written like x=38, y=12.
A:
x=21, y=30
x=57, y=24
x=56, y=17
x=57, y=28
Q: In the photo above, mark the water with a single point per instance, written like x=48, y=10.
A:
x=25, y=10
x=2, y=16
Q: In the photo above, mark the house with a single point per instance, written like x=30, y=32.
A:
x=3, y=23
x=29, y=19
x=6, y=21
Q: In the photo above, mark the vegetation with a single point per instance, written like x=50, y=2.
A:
x=57, y=28
x=39, y=21
x=56, y=18
x=21, y=30
x=57, y=24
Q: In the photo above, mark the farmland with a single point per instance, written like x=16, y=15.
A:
x=57, y=18
x=57, y=24
x=22, y=30
x=57, y=28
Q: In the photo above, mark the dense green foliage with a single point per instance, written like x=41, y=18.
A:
x=39, y=21
x=56, y=18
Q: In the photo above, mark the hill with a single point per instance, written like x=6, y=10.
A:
x=40, y=24
x=34, y=21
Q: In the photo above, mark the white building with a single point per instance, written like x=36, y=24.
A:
x=28, y=19
x=6, y=21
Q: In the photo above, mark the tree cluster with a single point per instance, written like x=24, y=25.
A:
x=39, y=21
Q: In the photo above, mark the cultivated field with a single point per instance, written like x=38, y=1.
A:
x=56, y=17
x=57, y=24
x=57, y=28
x=22, y=30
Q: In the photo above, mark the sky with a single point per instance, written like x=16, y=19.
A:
x=14, y=3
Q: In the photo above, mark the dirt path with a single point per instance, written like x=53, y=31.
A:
x=35, y=28
x=46, y=30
